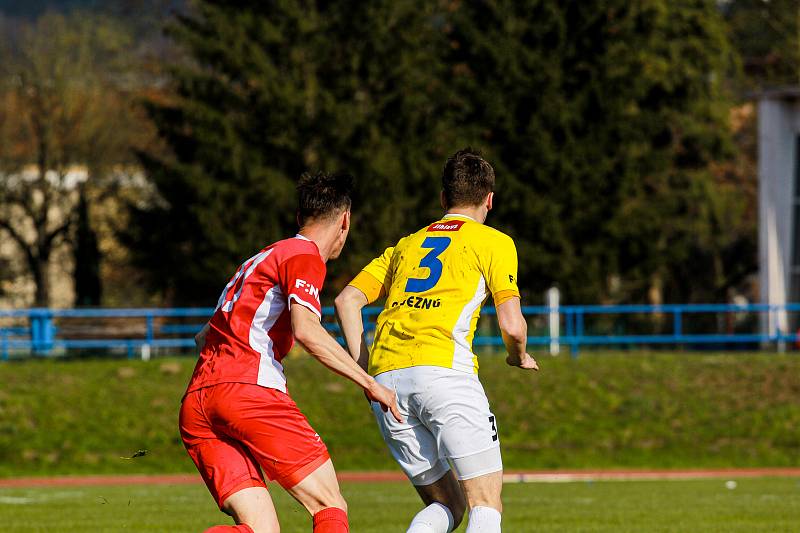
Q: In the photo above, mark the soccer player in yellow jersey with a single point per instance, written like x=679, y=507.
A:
x=435, y=281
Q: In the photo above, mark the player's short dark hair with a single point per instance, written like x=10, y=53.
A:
x=467, y=178
x=322, y=195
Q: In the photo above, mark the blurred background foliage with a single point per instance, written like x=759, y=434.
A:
x=622, y=133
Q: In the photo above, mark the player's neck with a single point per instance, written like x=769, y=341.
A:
x=324, y=236
x=478, y=214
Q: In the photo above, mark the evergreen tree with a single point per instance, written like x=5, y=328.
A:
x=603, y=117
x=274, y=89
x=767, y=36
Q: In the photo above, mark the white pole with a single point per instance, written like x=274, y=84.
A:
x=553, y=297
x=145, y=352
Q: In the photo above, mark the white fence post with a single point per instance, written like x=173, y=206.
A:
x=553, y=297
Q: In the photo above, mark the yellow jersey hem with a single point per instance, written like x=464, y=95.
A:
x=388, y=368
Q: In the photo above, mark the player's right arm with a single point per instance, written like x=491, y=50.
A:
x=348, y=306
x=369, y=285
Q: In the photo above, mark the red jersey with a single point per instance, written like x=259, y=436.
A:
x=251, y=330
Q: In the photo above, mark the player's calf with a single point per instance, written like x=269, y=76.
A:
x=484, y=491
x=483, y=496
x=319, y=490
x=445, y=506
x=319, y=493
x=253, y=511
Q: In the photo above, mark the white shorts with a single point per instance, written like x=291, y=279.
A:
x=447, y=418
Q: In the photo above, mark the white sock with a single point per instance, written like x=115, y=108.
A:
x=484, y=520
x=435, y=518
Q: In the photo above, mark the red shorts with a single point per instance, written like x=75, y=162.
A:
x=230, y=429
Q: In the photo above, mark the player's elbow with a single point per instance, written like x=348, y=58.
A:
x=342, y=302
x=349, y=298
x=309, y=341
x=515, y=328
x=301, y=336
x=305, y=332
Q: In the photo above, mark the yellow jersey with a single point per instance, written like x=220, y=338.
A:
x=435, y=281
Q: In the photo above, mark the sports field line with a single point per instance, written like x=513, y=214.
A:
x=542, y=476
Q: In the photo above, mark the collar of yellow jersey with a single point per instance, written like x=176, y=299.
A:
x=458, y=215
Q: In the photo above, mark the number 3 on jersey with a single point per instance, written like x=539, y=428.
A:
x=432, y=263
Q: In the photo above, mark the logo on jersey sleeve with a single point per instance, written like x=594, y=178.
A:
x=450, y=225
x=307, y=287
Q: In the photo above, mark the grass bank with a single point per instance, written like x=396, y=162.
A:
x=601, y=410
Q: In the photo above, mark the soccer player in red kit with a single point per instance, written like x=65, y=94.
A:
x=237, y=417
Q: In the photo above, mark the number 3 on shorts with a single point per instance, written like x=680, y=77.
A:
x=432, y=263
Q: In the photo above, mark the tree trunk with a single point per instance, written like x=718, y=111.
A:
x=655, y=296
x=40, y=270
x=88, y=289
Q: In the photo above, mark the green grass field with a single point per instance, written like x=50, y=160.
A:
x=651, y=410
x=634, y=409
x=756, y=505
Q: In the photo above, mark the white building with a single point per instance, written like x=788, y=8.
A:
x=779, y=202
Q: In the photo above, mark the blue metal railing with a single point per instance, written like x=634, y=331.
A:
x=573, y=321
x=45, y=331
x=41, y=336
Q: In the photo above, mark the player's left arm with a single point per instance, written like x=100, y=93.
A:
x=514, y=330
x=319, y=344
x=500, y=271
x=301, y=278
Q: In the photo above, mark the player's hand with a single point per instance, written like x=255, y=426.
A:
x=384, y=396
x=524, y=361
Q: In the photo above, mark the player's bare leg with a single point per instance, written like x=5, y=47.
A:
x=483, y=497
x=319, y=493
x=445, y=506
x=252, y=510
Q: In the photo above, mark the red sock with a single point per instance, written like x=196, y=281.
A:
x=331, y=520
x=241, y=528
